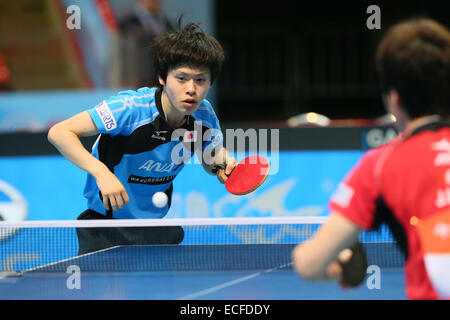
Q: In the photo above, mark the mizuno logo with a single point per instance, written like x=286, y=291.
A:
x=157, y=135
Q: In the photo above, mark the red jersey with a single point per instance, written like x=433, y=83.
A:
x=407, y=184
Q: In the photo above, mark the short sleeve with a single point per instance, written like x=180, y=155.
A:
x=355, y=197
x=117, y=113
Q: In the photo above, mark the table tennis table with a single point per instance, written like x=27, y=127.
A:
x=187, y=272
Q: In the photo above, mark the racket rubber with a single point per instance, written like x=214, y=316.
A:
x=248, y=175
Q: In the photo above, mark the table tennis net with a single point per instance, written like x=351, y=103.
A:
x=171, y=244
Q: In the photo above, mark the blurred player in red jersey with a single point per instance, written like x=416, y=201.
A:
x=405, y=183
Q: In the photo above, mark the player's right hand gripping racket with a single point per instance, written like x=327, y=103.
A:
x=248, y=175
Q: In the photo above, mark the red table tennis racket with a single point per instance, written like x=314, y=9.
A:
x=248, y=175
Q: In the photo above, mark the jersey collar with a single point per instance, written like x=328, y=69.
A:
x=432, y=126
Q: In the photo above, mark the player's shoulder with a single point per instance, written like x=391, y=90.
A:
x=374, y=160
x=142, y=97
x=205, y=112
x=375, y=153
x=127, y=110
x=370, y=158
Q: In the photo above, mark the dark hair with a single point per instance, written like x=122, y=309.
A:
x=414, y=59
x=189, y=47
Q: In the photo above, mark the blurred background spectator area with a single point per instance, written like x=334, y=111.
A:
x=282, y=59
x=37, y=48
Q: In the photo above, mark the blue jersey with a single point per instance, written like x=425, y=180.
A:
x=143, y=151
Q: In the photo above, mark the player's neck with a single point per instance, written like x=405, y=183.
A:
x=173, y=117
x=419, y=122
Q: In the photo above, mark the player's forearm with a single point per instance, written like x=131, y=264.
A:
x=310, y=268
x=312, y=258
x=70, y=146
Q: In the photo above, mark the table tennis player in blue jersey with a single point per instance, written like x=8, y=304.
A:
x=145, y=139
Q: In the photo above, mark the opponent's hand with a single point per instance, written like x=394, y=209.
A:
x=350, y=268
x=334, y=269
x=112, y=190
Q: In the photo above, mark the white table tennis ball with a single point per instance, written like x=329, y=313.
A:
x=160, y=199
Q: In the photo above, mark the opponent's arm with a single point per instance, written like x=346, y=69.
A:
x=65, y=136
x=317, y=259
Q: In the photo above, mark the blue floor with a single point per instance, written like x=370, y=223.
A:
x=191, y=285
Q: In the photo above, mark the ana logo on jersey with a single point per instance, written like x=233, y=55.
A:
x=152, y=165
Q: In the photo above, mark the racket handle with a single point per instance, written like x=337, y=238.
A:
x=216, y=169
x=354, y=270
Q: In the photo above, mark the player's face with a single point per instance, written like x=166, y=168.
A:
x=186, y=88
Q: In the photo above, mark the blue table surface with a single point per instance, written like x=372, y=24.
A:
x=278, y=282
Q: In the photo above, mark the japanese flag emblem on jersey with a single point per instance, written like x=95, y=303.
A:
x=190, y=136
x=434, y=233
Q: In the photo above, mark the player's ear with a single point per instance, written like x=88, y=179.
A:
x=392, y=102
x=394, y=105
x=161, y=81
x=396, y=99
